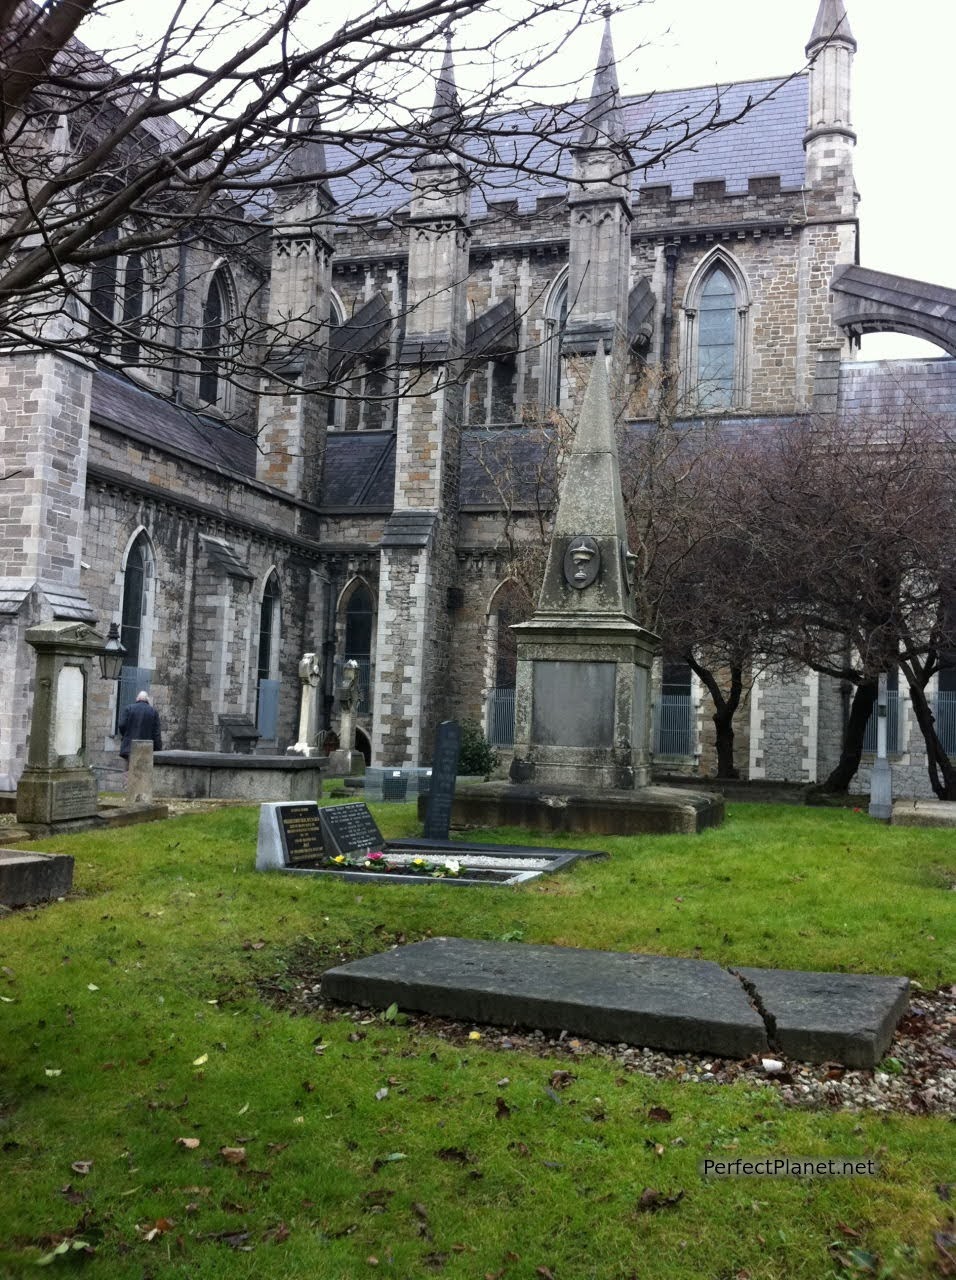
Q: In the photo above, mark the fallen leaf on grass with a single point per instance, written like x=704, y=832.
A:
x=63, y=1248
x=82, y=1166
x=519, y=1148
x=273, y=1148
x=381, y=1095
x=242, y=1110
x=279, y=1234
x=850, y=1234
x=233, y=1155
x=249, y=945
x=190, y=1144
x=455, y=1155
x=158, y=1228
x=650, y=1200
x=502, y=1110
x=660, y=1114
x=389, y=1159
x=201, y=1060
x=545, y=1272
x=52, y=1071
x=72, y=1195
x=561, y=1079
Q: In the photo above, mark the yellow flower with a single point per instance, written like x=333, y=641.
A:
x=339, y=858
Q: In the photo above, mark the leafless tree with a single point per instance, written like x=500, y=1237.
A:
x=857, y=533
x=226, y=112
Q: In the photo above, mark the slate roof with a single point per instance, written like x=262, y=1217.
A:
x=359, y=469
x=118, y=402
x=880, y=386
x=766, y=143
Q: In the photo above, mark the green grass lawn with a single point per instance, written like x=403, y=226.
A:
x=132, y=1016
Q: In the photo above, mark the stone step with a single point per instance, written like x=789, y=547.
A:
x=660, y=1002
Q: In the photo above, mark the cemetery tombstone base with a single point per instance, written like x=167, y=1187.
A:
x=27, y=878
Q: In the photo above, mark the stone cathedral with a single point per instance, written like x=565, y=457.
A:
x=360, y=526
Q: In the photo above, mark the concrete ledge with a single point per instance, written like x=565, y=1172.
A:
x=924, y=813
x=107, y=816
x=26, y=878
x=643, y=811
x=678, y=1005
x=220, y=775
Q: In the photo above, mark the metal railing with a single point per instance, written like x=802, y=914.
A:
x=892, y=725
x=674, y=725
x=267, y=709
x=500, y=718
x=944, y=708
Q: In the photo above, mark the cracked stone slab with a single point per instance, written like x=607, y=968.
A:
x=823, y=1017
x=654, y=1001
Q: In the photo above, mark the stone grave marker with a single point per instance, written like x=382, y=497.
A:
x=290, y=835
x=444, y=772
x=350, y=829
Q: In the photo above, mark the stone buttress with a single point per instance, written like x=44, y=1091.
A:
x=418, y=547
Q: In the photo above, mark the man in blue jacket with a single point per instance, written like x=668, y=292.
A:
x=139, y=722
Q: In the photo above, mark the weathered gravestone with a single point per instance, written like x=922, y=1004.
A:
x=289, y=835
x=139, y=776
x=444, y=772
x=350, y=830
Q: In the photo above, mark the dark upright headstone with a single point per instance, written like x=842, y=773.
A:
x=444, y=772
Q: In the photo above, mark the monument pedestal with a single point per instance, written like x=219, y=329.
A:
x=578, y=810
x=46, y=796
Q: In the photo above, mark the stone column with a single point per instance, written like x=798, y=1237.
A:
x=881, y=777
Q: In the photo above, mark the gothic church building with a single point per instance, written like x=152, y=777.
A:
x=361, y=526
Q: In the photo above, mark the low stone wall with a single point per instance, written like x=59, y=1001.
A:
x=200, y=775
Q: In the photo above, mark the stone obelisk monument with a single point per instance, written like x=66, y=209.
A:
x=582, y=706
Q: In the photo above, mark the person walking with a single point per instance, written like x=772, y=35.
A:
x=139, y=721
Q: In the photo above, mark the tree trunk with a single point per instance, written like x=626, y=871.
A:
x=842, y=775
x=725, y=708
x=942, y=774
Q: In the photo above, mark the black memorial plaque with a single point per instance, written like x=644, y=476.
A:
x=350, y=829
x=444, y=772
x=301, y=833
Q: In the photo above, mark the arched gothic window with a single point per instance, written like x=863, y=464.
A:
x=135, y=618
x=267, y=666
x=215, y=318
x=715, y=337
x=359, y=620
x=118, y=301
x=556, y=319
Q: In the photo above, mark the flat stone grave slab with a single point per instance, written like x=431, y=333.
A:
x=302, y=839
x=659, y=1002
x=678, y=1005
x=923, y=813
x=824, y=1017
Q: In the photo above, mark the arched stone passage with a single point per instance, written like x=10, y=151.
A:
x=868, y=301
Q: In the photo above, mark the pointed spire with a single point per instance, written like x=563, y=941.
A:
x=447, y=106
x=603, y=121
x=306, y=155
x=832, y=24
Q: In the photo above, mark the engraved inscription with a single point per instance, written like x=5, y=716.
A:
x=349, y=829
x=301, y=833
